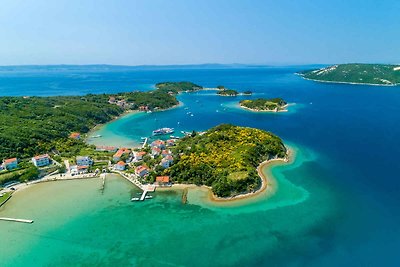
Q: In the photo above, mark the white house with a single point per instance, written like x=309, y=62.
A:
x=10, y=164
x=141, y=170
x=83, y=161
x=167, y=161
x=120, y=166
x=41, y=160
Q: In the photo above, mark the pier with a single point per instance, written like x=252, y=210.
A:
x=15, y=220
x=145, y=142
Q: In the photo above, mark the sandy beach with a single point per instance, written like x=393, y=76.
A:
x=266, y=183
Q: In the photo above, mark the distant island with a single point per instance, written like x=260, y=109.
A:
x=262, y=104
x=225, y=158
x=228, y=92
x=372, y=74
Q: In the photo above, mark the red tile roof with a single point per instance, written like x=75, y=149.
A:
x=41, y=156
x=10, y=160
x=74, y=135
x=121, y=163
x=162, y=179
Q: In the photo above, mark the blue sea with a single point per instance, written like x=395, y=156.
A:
x=337, y=204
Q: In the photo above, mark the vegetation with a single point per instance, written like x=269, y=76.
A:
x=247, y=92
x=262, y=104
x=228, y=92
x=377, y=74
x=177, y=87
x=4, y=197
x=21, y=175
x=35, y=125
x=225, y=158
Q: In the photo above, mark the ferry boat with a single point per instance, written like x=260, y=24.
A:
x=163, y=131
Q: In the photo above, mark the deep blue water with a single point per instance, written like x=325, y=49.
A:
x=354, y=130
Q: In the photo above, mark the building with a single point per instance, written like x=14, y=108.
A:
x=141, y=171
x=143, y=108
x=167, y=161
x=75, y=169
x=41, y=160
x=162, y=180
x=120, y=166
x=139, y=155
x=75, y=135
x=122, y=151
x=165, y=153
x=111, y=100
x=83, y=161
x=10, y=164
x=155, y=151
x=158, y=143
x=170, y=142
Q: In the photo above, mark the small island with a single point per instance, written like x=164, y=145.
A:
x=262, y=104
x=227, y=92
x=225, y=158
x=370, y=74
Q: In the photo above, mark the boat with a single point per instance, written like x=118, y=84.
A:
x=173, y=137
x=96, y=136
x=135, y=199
x=163, y=131
x=148, y=197
x=191, y=115
x=149, y=111
x=143, y=138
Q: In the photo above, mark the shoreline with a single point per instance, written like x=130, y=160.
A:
x=265, y=182
x=121, y=116
x=271, y=111
x=354, y=83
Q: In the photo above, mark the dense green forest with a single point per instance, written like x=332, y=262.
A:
x=30, y=125
x=262, y=104
x=225, y=158
x=34, y=125
x=378, y=74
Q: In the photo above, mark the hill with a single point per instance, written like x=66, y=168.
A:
x=374, y=74
x=226, y=158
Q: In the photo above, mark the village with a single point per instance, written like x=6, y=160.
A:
x=143, y=166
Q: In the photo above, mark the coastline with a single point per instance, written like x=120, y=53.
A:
x=354, y=83
x=270, y=111
x=267, y=182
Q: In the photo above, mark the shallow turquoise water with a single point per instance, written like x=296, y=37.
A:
x=337, y=205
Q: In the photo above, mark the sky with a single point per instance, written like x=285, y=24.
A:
x=164, y=32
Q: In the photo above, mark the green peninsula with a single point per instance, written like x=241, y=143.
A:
x=373, y=74
x=226, y=158
x=262, y=104
x=33, y=125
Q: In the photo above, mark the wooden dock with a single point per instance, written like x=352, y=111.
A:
x=15, y=220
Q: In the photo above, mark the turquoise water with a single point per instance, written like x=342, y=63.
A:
x=336, y=205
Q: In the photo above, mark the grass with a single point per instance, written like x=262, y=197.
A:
x=4, y=197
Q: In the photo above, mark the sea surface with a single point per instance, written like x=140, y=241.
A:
x=336, y=204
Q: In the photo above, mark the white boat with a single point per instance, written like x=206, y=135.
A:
x=135, y=199
x=96, y=136
x=148, y=197
x=162, y=131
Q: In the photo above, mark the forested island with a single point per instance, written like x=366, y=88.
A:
x=226, y=158
x=373, y=74
x=262, y=104
x=34, y=125
x=228, y=92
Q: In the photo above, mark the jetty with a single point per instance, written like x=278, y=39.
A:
x=145, y=142
x=144, y=187
x=15, y=220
